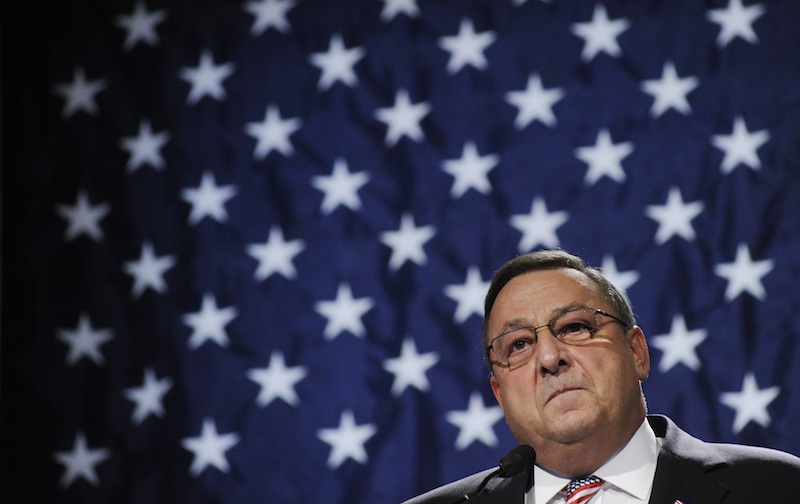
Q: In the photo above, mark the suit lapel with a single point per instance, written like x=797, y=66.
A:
x=682, y=472
x=675, y=482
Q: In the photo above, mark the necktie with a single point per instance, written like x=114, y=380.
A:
x=582, y=489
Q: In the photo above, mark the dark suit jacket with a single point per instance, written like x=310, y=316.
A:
x=688, y=470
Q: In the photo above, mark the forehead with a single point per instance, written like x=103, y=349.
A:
x=539, y=294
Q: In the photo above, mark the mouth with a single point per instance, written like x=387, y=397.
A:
x=561, y=391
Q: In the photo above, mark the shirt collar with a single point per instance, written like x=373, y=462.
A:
x=632, y=469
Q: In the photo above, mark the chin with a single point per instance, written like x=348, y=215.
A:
x=567, y=428
x=573, y=426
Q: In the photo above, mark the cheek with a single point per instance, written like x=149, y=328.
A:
x=522, y=413
x=517, y=397
x=609, y=378
x=519, y=394
x=603, y=363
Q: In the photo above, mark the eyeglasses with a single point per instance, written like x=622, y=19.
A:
x=514, y=348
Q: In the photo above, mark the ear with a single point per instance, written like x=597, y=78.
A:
x=641, y=356
x=496, y=391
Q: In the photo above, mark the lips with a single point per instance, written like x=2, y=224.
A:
x=561, y=390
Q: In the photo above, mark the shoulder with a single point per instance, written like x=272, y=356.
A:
x=687, y=446
x=452, y=491
x=757, y=459
x=756, y=474
x=742, y=470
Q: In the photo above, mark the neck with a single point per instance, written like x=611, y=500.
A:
x=584, y=457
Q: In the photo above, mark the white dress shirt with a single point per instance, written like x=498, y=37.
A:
x=628, y=475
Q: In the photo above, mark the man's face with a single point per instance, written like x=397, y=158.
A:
x=587, y=394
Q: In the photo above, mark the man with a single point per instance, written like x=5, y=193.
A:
x=567, y=362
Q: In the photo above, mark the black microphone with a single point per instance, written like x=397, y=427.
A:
x=515, y=462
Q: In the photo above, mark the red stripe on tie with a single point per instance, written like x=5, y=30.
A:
x=582, y=489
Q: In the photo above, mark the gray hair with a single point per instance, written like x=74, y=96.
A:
x=548, y=260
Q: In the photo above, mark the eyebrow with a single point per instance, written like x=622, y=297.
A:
x=521, y=322
x=513, y=325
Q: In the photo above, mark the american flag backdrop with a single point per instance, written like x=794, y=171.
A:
x=246, y=243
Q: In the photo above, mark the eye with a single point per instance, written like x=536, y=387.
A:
x=520, y=345
x=574, y=328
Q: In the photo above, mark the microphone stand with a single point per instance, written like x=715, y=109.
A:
x=515, y=462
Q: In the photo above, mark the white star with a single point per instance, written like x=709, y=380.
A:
x=392, y=8
x=276, y=255
x=410, y=367
x=337, y=64
x=475, y=423
x=148, y=271
x=674, y=217
x=468, y=295
x=604, y=158
x=744, y=274
x=85, y=341
x=471, y=171
x=751, y=403
x=277, y=381
x=539, y=226
x=209, y=323
x=407, y=242
x=145, y=148
x=79, y=94
x=269, y=14
x=622, y=280
x=670, y=91
x=209, y=448
x=148, y=397
x=83, y=218
x=736, y=21
x=535, y=103
x=273, y=133
x=679, y=346
x=600, y=34
x=344, y=313
x=340, y=187
x=467, y=47
x=740, y=146
x=347, y=441
x=140, y=25
x=206, y=78
x=208, y=199
x=403, y=118
x=81, y=462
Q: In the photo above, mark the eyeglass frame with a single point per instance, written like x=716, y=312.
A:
x=595, y=311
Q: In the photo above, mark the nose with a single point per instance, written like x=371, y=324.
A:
x=551, y=353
